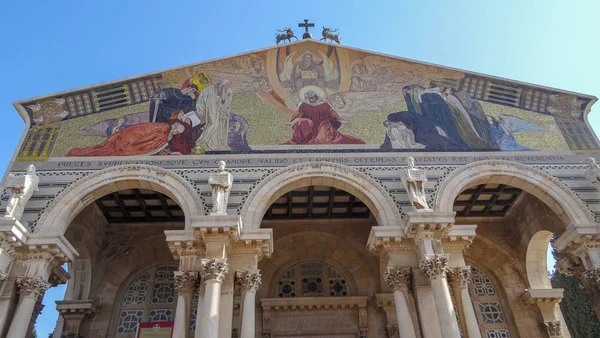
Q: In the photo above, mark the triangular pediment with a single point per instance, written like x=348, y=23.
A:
x=261, y=93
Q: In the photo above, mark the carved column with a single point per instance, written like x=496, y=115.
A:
x=460, y=278
x=73, y=312
x=435, y=267
x=184, y=283
x=249, y=281
x=31, y=289
x=399, y=280
x=547, y=301
x=213, y=272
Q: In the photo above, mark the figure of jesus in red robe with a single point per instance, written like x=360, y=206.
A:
x=316, y=122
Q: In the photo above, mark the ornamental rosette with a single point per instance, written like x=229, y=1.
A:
x=33, y=287
x=214, y=269
x=249, y=280
x=434, y=266
x=460, y=275
x=397, y=277
x=184, y=280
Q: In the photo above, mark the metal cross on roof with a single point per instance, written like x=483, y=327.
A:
x=305, y=25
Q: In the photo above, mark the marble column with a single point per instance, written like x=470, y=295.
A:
x=213, y=272
x=460, y=278
x=435, y=267
x=184, y=283
x=399, y=280
x=31, y=289
x=249, y=281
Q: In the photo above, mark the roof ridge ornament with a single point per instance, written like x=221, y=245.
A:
x=306, y=25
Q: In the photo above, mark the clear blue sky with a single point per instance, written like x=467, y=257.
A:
x=50, y=46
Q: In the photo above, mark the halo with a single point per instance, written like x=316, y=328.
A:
x=317, y=90
x=316, y=58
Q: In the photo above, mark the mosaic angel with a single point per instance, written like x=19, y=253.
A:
x=503, y=127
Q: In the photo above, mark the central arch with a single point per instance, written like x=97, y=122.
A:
x=64, y=208
x=329, y=174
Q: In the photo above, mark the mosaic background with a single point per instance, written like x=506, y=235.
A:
x=305, y=96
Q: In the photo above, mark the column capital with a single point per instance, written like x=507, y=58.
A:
x=397, y=278
x=435, y=266
x=593, y=275
x=553, y=328
x=248, y=280
x=184, y=281
x=214, y=269
x=32, y=287
x=460, y=275
x=392, y=331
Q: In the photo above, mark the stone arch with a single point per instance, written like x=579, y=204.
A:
x=63, y=209
x=536, y=260
x=547, y=188
x=329, y=174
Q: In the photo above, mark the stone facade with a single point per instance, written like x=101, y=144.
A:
x=396, y=272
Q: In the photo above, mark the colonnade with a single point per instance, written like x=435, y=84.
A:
x=216, y=252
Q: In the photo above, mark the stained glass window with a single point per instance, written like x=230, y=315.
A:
x=151, y=297
x=487, y=305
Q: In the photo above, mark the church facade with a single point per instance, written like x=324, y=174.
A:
x=303, y=190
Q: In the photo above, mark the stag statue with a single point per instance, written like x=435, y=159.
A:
x=286, y=34
x=328, y=34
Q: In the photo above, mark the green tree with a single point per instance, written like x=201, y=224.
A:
x=575, y=305
x=34, y=333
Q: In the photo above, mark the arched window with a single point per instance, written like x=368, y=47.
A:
x=312, y=279
x=151, y=297
x=488, y=307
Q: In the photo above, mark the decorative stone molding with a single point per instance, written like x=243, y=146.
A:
x=543, y=296
x=435, y=266
x=388, y=238
x=460, y=237
x=397, y=278
x=427, y=225
x=214, y=269
x=532, y=180
x=460, y=275
x=257, y=242
x=73, y=313
x=248, y=280
x=184, y=281
x=63, y=208
x=336, y=175
x=553, y=328
x=32, y=287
